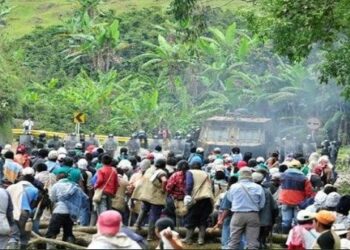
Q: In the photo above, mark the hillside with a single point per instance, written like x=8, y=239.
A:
x=28, y=14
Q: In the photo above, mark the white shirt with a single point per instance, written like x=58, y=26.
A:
x=29, y=124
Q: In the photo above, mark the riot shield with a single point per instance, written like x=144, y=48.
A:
x=27, y=141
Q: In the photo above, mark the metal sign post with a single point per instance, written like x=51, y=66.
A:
x=77, y=128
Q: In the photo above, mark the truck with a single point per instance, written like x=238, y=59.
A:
x=247, y=132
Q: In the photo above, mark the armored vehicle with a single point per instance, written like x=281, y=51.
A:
x=249, y=133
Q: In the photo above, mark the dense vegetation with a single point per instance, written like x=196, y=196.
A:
x=172, y=68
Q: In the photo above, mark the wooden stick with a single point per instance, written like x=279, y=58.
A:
x=39, y=239
x=211, y=232
x=130, y=218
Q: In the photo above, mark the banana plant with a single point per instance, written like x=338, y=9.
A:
x=224, y=53
x=99, y=44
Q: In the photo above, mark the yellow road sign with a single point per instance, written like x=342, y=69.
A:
x=79, y=117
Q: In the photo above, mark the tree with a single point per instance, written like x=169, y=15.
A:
x=9, y=82
x=191, y=18
x=297, y=26
x=170, y=58
x=94, y=37
x=225, y=53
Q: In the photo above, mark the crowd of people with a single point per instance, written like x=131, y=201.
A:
x=246, y=196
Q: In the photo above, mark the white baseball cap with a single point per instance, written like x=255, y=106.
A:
x=304, y=215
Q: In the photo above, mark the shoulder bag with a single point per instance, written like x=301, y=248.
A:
x=194, y=194
x=99, y=191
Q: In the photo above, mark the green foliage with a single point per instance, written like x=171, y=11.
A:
x=313, y=21
x=140, y=70
x=190, y=16
x=296, y=27
x=4, y=12
x=10, y=84
x=9, y=81
x=41, y=54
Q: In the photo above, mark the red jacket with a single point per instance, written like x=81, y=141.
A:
x=105, y=173
x=295, y=187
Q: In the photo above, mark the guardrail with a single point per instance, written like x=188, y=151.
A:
x=62, y=135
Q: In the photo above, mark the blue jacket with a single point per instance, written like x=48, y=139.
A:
x=71, y=195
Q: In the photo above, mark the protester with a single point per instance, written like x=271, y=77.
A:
x=244, y=195
x=109, y=235
x=197, y=157
x=319, y=202
x=107, y=180
x=236, y=154
x=272, y=161
x=24, y=197
x=6, y=217
x=342, y=210
x=275, y=184
x=68, y=199
x=302, y=235
x=268, y=213
x=41, y=157
x=135, y=189
x=51, y=162
x=225, y=215
x=82, y=165
x=157, y=153
x=119, y=202
x=153, y=196
x=295, y=188
x=327, y=239
x=199, y=198
x=176, y=190
x=247, y=199
x=67, y=171
x=171, y=162
x=11, y=169
x=123, y=154
x=324, y=169
x=47, y=180
x=332, y=201
x=44, y=176
x=21, y=157
x=169, y=239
